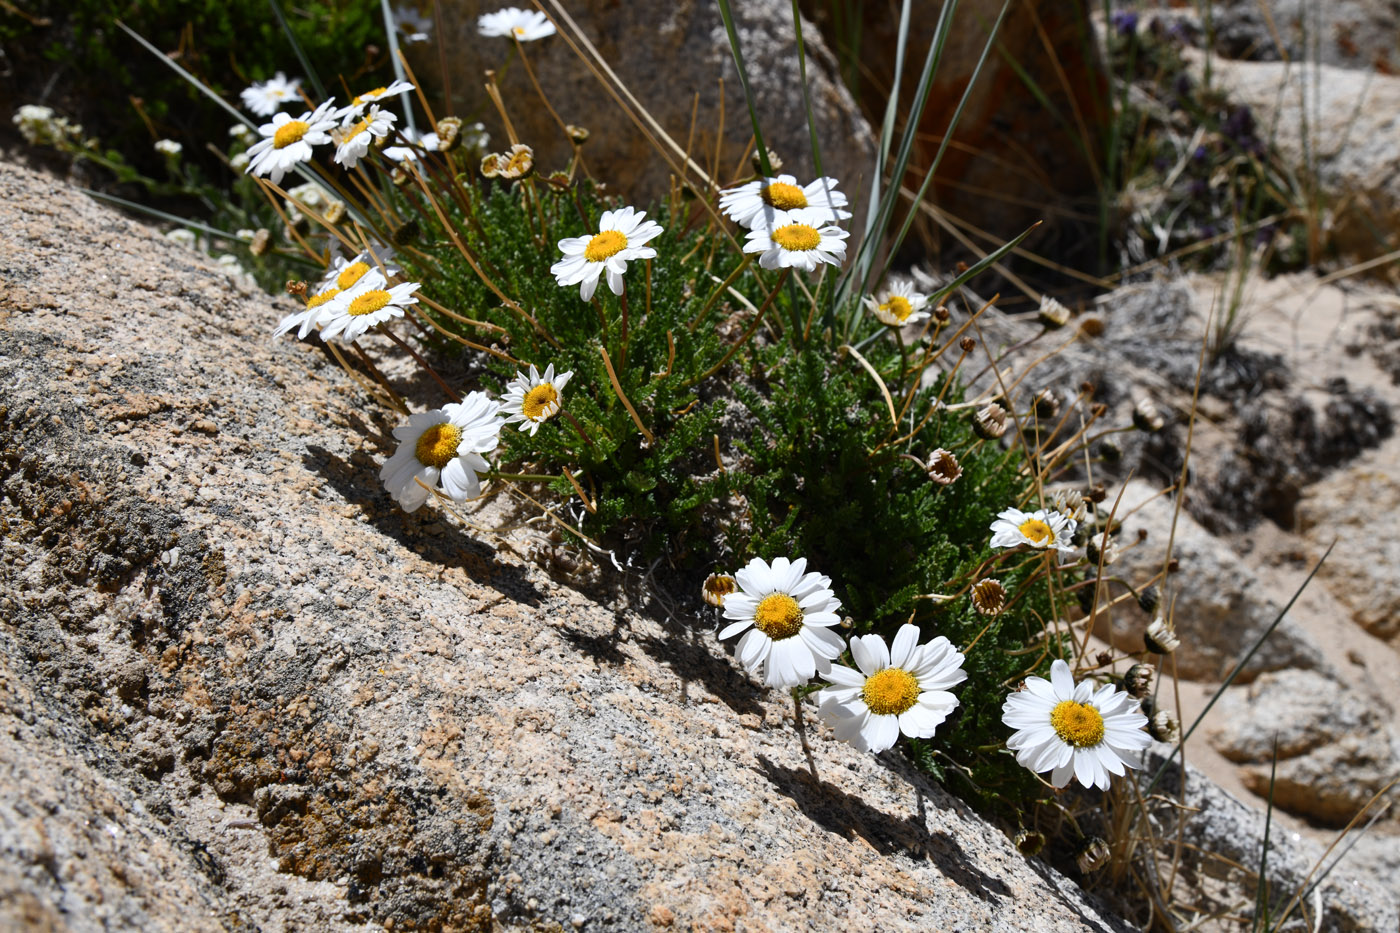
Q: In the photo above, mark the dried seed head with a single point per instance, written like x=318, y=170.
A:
x=261, y=241
x=941, y=313
x=1161, y=637
x=1053, y=314
x=579, y=134
x=775, y=163
x=1093, y=856
x=1104, y=658
x=1087, y=389
x=988, y=596
x=1138, y=680
x=1101, y=548
x=405, y=233
x=1164, y=726
x=1091, y=327
x=717, y=586
x=1146, y=417
x=296, y=288
x=1096, y=493
x=449, y=131
x=990, y=422
x=1029, y=842
x=943, y=467
x=1149, y=600
x=967, y=344
x=1045, y=404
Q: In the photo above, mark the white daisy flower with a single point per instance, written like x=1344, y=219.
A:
x=414, y=26
x=899, y=689
x=1074, y=731
x=531, y=400
x=356, y=107
x=622, y=236
x=789, y=614
x=320, y=308
x=267, y=98
x=757, y=203
x=168, y=147
x=428, y=142
x=515, y=23
x=898, y=304
x=344, y=273
x=443, y=445
x=353, y=142
x=287, y=142
x=372, y=304
x=1043, y=528
x=798, y=240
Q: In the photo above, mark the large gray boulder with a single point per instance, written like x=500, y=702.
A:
x=241, y=690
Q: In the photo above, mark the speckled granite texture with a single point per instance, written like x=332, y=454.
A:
x=239, y=690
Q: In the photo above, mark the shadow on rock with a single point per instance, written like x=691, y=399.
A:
x=450, y=549
x=840, y=813
x=690, y=659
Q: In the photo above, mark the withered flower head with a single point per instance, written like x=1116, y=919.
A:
x=775, y=163
x=335, y=212
x=1070, y=502
x=1093, y=856
x=1161, y=637
x=518, y=162
x=1029, y=842
x=1102, y=546
x=1053, y=314
x=1045, y=404
x=1164, y=726
x=717, y=587
x=579, y=134
x=988, y=596
x=449, y=132
x=261, y=241
x=1146, y=417
x=491, y=164
x=1138, y=680
x=990, y=422
x=1149, y=600
x=943, y=467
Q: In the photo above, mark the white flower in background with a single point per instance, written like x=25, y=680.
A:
x=287, y=142
x=898, y=304
x=41, y=127
x=1043, y=528
x=239, y=162
x=903, y=688
x=183, y=237
x=789, y=615
x=310, y=196
x=758, y=203
x=443, y=445
x=622, y=236
x=532, y=400
x=428, y=142
x=354, y=141
x=1074, y=731
x=350, y=113
x=515, y=23
x=242, y=133
x=372, y=304
x=798, y=240
x=168, y=147
x=267, y=98
x=412, y=25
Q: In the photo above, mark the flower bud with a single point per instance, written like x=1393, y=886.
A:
x=1164, y=726
x=449, y=132
x=1148, y=599
x=1101, y=548
x=1146, y=417
x=990, y=422
x=1093, y=856
x=967, y=344
x=579, y=134
x=1045, y=405
x=1160, y=637
x=988, y=596
x=1053, y=314
x=717, y=586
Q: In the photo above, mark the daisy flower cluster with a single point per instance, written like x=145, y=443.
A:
x=790, y=226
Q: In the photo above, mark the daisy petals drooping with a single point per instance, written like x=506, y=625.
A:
x=798, y=240
x=287, y=142
x=622, y=236
x=902, y=688
x=1073, y=730
x=788, y=614
x=533, y=400
x=898, y=304
x=1043, y=528
x=444, y=446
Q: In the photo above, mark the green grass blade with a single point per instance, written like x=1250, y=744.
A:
x=200, y=85
x=300, y=52
x=981, y=265
x=728, y=16
x=1261, y=890
x=158, y=214
x=806, y=93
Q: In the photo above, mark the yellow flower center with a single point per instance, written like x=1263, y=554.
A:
x=717, y=587
x=351, y=274
x=539, y=402
x=438, y=445
x=890, y=692
x=778, y=616
x=369, y=95
x=317, y=300
x=899, y=307
x=1079, y=725
x=604, y=246
x=370, y=302
x=797, y=237
x=521, y=162
x=290, y=132
x=1037, y=532
x=784, y=197
x=519, y=30
x=359, y=128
